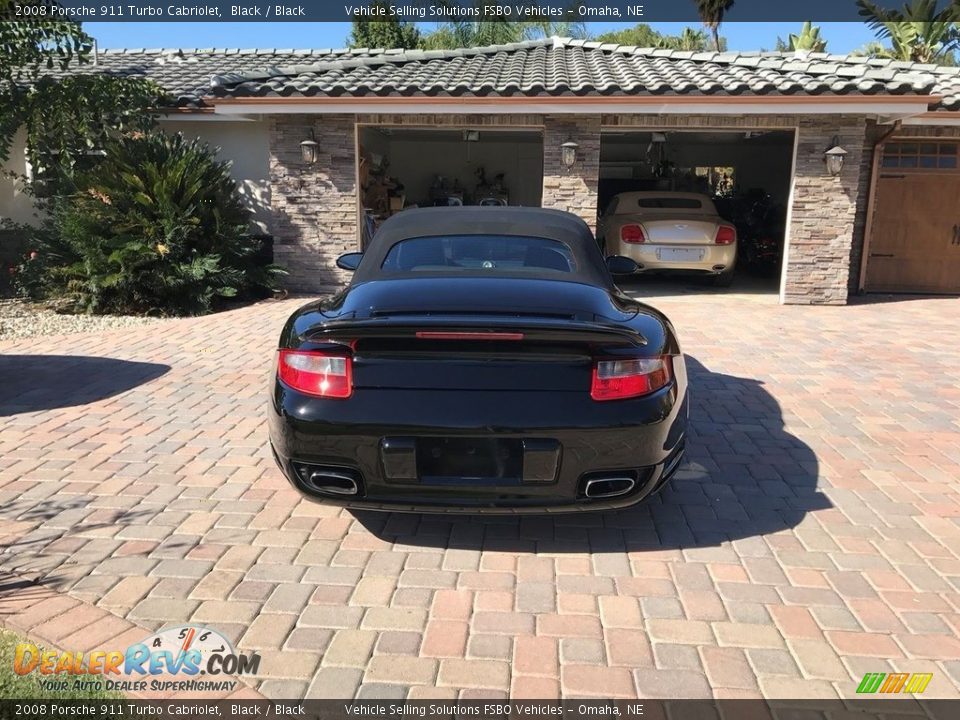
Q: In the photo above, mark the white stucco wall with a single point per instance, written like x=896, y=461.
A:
x=243, y=143
x=15, y=204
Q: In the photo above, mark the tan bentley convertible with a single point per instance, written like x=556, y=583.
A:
x=670, y=231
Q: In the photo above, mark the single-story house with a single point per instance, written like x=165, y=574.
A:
x=565, y=124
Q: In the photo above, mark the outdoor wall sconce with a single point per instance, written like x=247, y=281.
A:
x=568, y=153
x=834, y=156
x=309, y=149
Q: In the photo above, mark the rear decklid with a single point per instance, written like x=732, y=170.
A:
x=668, y=218
x=477, y=334
x=466, y=296
x=675, y=229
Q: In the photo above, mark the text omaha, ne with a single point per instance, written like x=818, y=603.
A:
x=518, y=11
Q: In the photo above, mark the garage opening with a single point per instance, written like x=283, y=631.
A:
x=682, y=176
x=407, y=167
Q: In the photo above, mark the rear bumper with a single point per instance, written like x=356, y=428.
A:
x=642, y=438
x=711, y=258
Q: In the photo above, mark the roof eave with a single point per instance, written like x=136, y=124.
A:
x=935, y=117
x=580, y=104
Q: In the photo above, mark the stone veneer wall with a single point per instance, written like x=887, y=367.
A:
x=947, y=132
x=824, y=211
x=314, y=207
x=572, y=189
x=436, y=120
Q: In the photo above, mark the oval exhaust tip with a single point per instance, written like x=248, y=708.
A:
x=335, y=483
x=608, y=487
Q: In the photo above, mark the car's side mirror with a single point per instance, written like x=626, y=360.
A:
x=621, y=265
x=349, y=261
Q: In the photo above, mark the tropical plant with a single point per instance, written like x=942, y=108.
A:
x=919, y=32
x=689, y=39
x=874, y=48
x=495, y=29
x=156, y=227
x=550, y=28
x=27, y=49
x=711, y=14
x=386, y=32
x=66, y=118
x=480, y=33
x=642, y=35
x=809, y=40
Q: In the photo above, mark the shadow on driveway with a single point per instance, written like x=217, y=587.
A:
x=58, y=527
x=744, y=476
x=32, y=383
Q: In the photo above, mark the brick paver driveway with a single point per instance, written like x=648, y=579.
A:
x=812, y=536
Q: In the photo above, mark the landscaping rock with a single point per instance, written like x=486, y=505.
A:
x=20, y=319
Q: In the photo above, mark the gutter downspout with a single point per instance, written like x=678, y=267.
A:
x=871, y=201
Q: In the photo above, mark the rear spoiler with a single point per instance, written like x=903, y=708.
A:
x=546, y=330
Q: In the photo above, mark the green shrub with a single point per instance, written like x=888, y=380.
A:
x=156, y=227
x=27, y=687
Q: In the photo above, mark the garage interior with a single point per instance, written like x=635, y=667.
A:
x=405, y=167
x=746, y=172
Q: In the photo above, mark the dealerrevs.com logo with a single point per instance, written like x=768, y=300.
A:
x=182, y=658
x=888, y=683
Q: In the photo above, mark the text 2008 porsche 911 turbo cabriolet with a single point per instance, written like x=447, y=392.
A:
x=481, y=360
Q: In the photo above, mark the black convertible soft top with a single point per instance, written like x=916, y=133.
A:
x=506, y=221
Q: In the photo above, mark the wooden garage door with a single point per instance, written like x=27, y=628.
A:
x=915, y=243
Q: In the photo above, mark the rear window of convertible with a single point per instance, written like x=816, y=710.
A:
x=497, y=254
x=669, y=203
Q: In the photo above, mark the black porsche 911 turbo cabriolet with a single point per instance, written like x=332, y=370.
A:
x=481, y=360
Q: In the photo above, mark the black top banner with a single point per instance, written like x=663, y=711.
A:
x=882, y=708
x=623, y=11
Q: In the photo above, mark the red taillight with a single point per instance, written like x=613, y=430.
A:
x=632, y=234
x=316, y=373
x=431, y=335
x=726, y=235
x=619, y=379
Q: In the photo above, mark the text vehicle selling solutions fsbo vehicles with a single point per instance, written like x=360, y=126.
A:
x=480, y=360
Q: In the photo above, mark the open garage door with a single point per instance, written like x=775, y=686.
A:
x=915, y=233
x=406, y=167
x=746, y=174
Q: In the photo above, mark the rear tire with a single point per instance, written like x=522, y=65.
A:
x=724, y=279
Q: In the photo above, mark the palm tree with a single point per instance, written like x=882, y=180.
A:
x=641, y=35
x=487, y=32
x=495, y=30
x=689, y=39
x=384, y=32
x=711, y=14
x=809, y=39
x=548, y=28
x=918, y=32
x=565, y=28
x=644, y=36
